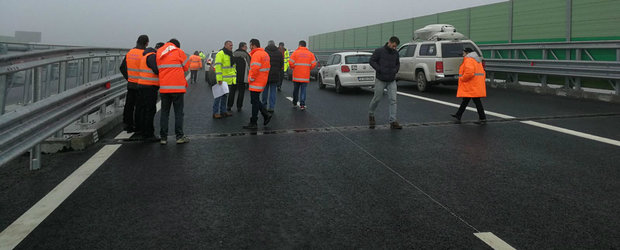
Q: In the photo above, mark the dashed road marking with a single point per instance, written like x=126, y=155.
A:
x=531, y=123
x=25, y=224
x=494, y=241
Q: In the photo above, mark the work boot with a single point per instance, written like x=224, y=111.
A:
x=267, y=118
x=270, y=111
x=458, y=119
x=251, y=125
x=481, y=122
x=217, y=116
x=302, y=107
x=371, y=121
x=227, y=114
x=182, y=140
x=163, y=141
x=395, y=125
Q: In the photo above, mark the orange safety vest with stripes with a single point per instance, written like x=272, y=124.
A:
x=195, y=63
x=472, y=79
x=302, y=61
x=147, y=76
x=133, y=58
x=172, y=63
x=259, y=70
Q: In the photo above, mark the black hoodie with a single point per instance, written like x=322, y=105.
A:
x=277, y=63
x=385, y=62
x=151, y=60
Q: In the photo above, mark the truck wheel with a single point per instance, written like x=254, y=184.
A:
x=321, y=84
x=421, y=81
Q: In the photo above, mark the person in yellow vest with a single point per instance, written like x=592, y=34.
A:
x=195, y=64
x=225, y=73
x=286, y=56
x=130, y=70
x=148, y=87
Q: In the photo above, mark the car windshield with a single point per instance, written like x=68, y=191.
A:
x=357, y=59
x=455, y=49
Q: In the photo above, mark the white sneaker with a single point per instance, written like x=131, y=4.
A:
x=182, y=140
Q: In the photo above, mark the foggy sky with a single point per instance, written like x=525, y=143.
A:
x=204, y=25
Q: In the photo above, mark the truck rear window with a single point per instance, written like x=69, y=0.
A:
x=449, y=50
x=357, y=59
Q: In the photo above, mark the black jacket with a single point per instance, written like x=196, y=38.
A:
x=151, y=60
x=277, y=63
x=385, y=62
x=242, y=61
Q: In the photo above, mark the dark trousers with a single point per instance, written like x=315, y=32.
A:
x=257, y=105
x=479, y=107
x=167, y=100
x=146, y=109
x=281, y=79
x=297, y=96
x=194, y=75
x=240, y=89
x=130, y=109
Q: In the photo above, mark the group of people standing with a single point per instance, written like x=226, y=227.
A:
x=263, y=70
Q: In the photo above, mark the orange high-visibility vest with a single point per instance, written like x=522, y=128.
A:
x=147, y=76
x=195, y=63
x=302, y=61
x=472, y=79
x=172, y=64
x=133, y=58
x=259, y=70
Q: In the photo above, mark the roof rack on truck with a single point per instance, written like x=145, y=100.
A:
x=437, y=32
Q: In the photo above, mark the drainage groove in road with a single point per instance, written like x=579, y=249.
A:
x=364, y=127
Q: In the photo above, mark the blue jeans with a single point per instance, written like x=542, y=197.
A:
x=167, y=100
x=296, y=95
x=219, y=104
x=391, y=91
x=270, y=90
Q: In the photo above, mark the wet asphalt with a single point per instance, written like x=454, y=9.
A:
x=321, y=178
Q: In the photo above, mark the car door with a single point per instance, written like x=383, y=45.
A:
x=406, y=62
x=326, y=68
x=334, y=67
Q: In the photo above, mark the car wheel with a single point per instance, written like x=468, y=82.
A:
x=339, y=88
x=422, y=83
x=321, y=84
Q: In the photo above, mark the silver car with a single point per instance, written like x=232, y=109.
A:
x=347, y=69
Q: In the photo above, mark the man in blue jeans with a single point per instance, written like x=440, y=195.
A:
x=277, y=60
x=385, y=62
x=301, y=61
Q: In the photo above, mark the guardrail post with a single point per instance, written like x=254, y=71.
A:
x=578, y=54
x=617, y=54
x=102, y=110
x=62, y=77
x=617, y=87
x=544, y=54
x=543, y=81
x=27, y=94
x=492, y=77
x=35, y=157
x=3, y=90
x=577, y=82
x=85, y=71
x=38, y=85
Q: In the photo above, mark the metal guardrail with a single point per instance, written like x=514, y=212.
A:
x=6, y=47
x=46, y=91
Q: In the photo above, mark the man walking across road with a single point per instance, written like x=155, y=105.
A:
x=172, y=64
x=225, y=73
x=130, y=70
x=257, y=79
x=148, y=86
x=301, y=61
x=285, y=54
x=472, y=84
x=195, y=64
x=276, y=60
x=242, y=66
x=385, y=62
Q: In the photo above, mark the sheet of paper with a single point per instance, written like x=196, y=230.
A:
x=220, y=89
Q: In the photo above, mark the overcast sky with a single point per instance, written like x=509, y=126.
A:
x=204, y=24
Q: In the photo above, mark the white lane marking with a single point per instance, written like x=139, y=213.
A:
x=25, y=224
x=289, y=98
x=493, y=241
x=532, y=123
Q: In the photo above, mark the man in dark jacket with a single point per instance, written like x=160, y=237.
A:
x=242, y=65
x=277, y=65
x=134, y=55
x=385, y=62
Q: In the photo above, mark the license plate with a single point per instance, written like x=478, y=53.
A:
x=366, y=78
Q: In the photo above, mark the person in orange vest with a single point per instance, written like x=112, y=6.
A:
x=301, y=61
x=257, y=80
x=148, y=86
x=472, y=84
x=172, y=64
x=130, y=70
x=195, y=64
